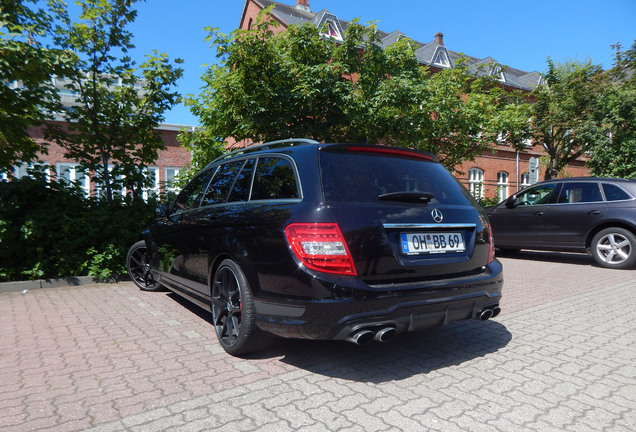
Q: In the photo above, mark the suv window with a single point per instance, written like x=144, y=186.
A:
x=537, y=195
x=614, y=193
x=580, y=193
x=222, y=183
x=274, y=179
x=190, y=197
x=356, y=177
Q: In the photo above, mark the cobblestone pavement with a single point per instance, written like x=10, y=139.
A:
x=107, y=357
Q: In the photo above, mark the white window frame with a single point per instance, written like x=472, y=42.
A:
x=170, y=173
x=525, y=180
x=476, y=182
x=441, y=58
x=20, y=171
x=148, y=192
x=100, y=190
x=332, y=27
x=75, y=175
x=502, y=185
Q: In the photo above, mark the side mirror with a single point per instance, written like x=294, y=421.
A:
x=511, y=202
x=163, y=210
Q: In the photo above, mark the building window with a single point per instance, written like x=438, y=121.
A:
x=476, y=182
x=151, y=190
x=73, y=175
x=332, y=30
x=28, y=170
x=170, y=180
x=100, y=189
x=440, y=58
x=525, y=180
x=502, y=185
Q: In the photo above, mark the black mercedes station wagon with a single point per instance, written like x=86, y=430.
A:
x=300, y=239
x=582, y=214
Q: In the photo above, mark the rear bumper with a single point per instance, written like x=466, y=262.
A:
x=428, y=306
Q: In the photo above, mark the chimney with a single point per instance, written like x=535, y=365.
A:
x=303, y=5
x=439, y=38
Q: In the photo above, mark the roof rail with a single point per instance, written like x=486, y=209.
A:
x=265, y=146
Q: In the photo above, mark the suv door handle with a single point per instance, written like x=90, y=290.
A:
x=539, y=213
x=594, y=212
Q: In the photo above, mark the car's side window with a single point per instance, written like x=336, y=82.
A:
x=274, y=179
x=241, y=189
x=614, y=193
x=537, y=195
x=580, y=193
x=190, y=196
x=222, y=183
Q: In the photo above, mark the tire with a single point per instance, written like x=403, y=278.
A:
x=233, y=312
x=614, y=248
x=139, y=270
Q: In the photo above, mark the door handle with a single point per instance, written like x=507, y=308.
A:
x=539, y=213
x=594, y=212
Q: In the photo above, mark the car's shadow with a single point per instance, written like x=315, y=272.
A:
x=406, y=355
x=549, y=256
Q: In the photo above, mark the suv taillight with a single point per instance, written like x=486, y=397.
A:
x=321, y=247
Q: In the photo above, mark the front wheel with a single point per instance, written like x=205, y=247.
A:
x=614, y=248
x=138, y=266
x=233, y=312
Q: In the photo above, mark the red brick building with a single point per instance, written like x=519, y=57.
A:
x=491, y=175
x=166, y=167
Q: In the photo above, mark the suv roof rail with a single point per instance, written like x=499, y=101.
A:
x=265, y=146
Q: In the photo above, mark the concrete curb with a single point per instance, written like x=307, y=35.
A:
x=18, y=286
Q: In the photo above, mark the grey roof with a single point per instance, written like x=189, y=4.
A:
x=425, y=52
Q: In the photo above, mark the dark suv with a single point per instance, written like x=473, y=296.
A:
x=323, y=241
x=584, y=214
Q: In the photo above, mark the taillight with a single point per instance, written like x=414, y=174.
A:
x=491, y=244
x=321, y=247
x=491, y=241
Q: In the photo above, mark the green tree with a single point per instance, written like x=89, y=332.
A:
x=301, y=84
x=111, y=126
x=565, y=115
x=616, y=157
x=25, y=69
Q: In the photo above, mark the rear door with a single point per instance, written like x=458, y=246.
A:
x=404, y=217
x=578, y=209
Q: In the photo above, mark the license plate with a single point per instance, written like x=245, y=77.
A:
x=432, y=243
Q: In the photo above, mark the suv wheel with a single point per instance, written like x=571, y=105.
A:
x=138, y=266
x=614, y=248
x=233, y=312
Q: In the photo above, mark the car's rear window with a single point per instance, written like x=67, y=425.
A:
x=359, y=177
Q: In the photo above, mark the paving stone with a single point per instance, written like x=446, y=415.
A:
x=109, y=358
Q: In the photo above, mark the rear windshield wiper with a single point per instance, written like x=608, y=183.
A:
x=411, y=197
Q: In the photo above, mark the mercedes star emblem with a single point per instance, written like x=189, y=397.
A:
x=437, y=215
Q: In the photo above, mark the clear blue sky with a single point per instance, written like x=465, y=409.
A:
x=518, y=34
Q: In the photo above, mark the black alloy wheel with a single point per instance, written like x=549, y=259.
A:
x=233, y=312
x=139, y=270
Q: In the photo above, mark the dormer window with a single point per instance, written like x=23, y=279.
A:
x=441, y=58
x=332, y=30
x=498, y=73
